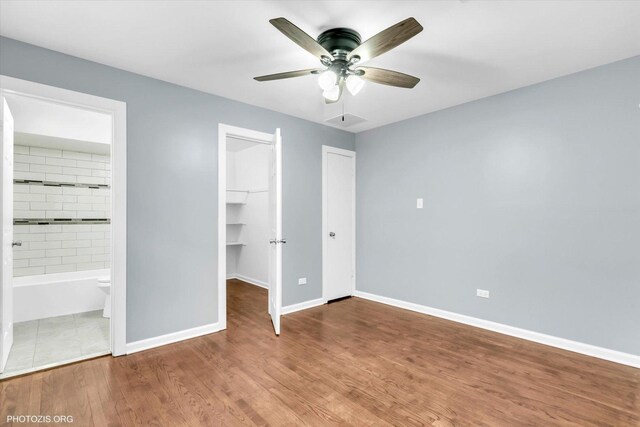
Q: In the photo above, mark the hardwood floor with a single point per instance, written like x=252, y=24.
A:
x=352, y=362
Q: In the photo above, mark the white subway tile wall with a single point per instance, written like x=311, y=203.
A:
x=61, y=247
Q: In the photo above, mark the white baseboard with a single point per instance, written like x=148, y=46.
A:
x=565, y=344
x=249, y=280
x=134, y=347
x=302, y=306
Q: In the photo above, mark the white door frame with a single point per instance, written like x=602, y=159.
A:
x=326, y=149
x=118, y=112
x=225, y=131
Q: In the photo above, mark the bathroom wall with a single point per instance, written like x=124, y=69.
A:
x=57, y=248
x=51, y=164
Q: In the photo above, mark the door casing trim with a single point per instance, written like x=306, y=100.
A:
x=225, y=131
x=118, y=112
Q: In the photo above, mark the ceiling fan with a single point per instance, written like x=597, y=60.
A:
x=340, y=51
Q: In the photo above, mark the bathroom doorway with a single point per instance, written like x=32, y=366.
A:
x=63, y=155
x=250, y=223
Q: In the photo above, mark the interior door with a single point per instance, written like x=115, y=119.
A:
x=339, y=268
x=275, y=225
x=6, y=249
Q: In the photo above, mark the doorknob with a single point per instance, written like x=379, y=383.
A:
x=16, y=243
x=282, y=241
x=273, y=241
x=332, y=234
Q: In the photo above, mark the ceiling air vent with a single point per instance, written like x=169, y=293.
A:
x=346, y=120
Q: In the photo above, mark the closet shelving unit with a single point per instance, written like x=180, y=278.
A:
x=236, y=198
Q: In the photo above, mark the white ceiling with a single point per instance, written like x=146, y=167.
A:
x=468, y=50
x=45, y=141
x=70, y=127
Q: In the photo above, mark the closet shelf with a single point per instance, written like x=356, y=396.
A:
x=237, y=197
x=235, y=244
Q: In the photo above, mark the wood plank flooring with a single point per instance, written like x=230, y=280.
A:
x=353, y=362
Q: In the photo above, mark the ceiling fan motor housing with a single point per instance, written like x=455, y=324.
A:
x=339, y=41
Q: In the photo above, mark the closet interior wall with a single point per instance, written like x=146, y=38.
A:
x=247, y=211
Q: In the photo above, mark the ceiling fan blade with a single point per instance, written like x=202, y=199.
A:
x=387, y=39
x=300, y=38
x=286, y=75
x=388, y=77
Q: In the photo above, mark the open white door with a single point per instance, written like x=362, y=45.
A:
x=275, y=224
x=6, y=249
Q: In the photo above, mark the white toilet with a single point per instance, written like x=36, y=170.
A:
x=104, y=283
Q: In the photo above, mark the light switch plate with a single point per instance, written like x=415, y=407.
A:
x=419, y=203
x=302, y=281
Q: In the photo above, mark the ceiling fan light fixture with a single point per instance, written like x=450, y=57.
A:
x=332, y=94
x=354, y=84
x=327, y=80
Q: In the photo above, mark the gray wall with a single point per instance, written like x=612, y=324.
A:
x=172, y=186
x=533, y=194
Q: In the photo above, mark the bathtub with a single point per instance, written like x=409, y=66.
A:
x=49, y=295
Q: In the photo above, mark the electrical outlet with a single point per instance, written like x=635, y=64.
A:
x=302, y=281
x=419, y=203
x=482, y=293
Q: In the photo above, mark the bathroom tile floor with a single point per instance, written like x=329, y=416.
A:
x=54, y=340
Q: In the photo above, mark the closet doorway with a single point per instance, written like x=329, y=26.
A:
x=250, y=215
